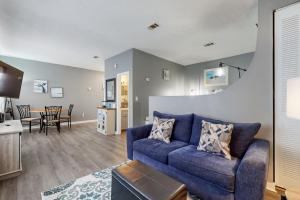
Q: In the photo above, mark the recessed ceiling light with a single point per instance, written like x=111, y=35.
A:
x=95, y=57
x=153, y=26
x=209, y=44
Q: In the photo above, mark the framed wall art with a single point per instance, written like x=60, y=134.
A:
x=40, y=86
x=111, y=90
x=57, y=92
x=216, y=77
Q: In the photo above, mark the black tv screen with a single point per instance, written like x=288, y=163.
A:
x=10, y=81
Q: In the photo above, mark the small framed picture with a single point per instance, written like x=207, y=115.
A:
x=216, y=77
x=166, y=74
x=111, y=90
x=40, y=86
x=57, y=92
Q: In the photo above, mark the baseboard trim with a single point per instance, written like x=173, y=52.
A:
x=289, y=193
x=82, y=122
x=271, y=186
x=64, y=124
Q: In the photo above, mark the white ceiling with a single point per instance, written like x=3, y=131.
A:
x=71, y=32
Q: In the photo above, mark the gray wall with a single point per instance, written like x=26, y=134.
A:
x=248, y=100
x=124, y=62
x=147, y=65
x=194, y=74
x=141, y=65
x=75, y=82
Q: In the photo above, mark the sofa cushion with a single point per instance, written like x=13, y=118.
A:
x=215, y=138
x=242, y=134
x=156, y=149
x=182, y=127
x=215, y=169
x=197, y=128
x=162, y=129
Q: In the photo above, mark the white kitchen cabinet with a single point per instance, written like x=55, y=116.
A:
x=106, y=122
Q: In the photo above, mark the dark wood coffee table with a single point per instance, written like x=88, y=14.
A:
x=135, y=180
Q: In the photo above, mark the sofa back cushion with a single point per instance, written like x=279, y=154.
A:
x=242, y=134
x=182, y=128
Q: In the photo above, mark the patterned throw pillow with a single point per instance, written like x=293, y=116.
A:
x=162, y=129
x=216, y=138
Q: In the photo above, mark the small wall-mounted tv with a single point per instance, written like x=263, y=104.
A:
x=10, y=81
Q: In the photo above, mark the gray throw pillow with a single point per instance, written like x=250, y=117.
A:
x=215, y=138
x=162, y=129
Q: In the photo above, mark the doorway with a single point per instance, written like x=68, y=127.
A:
x=122, y=102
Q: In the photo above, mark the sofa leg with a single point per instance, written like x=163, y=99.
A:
x=281, y=191
x=283, y=198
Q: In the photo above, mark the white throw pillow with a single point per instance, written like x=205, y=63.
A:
x=162, y=129
x=215, y=138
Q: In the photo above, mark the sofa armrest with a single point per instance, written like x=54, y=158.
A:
x=134, y=134
x=252, y=172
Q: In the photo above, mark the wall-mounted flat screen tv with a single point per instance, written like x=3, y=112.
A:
x=10, y=81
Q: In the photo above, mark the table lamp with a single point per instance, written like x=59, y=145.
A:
x=293, y=98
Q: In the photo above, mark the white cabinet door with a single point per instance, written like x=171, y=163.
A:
x=106, y=121
x=101, y=121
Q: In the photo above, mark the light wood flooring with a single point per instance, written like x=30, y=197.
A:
x=58, y=158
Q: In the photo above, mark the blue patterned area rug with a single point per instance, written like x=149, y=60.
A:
x=95, y=186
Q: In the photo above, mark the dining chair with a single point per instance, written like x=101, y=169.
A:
x=52, y=117
x=68, y=118
x=25, y=116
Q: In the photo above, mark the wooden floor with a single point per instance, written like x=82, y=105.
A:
x=269, y=195
x=58, y=158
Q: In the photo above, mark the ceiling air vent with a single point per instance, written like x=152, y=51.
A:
x=209, y=44
x=153, y=26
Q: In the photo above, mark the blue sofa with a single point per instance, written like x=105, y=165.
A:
x=208, y=176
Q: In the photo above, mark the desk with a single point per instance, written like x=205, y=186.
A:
x=10, y=149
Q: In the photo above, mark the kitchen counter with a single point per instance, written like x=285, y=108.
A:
x=100, y=107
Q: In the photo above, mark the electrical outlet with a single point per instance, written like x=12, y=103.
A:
x=136, y=98
x=82, y=114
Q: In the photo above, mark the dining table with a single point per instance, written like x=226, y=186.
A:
x=41, y=111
